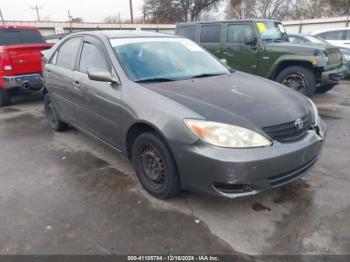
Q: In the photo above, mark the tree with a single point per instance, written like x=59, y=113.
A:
x=240, y=9
x=172, y=11
x=340, y=7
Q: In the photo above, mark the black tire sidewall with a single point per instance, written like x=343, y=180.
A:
x=5, y=97
x=172, y=187
x=307, y=74
x=58, y=125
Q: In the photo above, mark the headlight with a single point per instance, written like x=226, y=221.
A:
x=224, y=135
x=317, y=116
x=346, y=57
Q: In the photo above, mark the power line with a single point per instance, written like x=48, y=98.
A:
x=36, y=8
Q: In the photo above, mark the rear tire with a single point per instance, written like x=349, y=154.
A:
x=51, y=115
x=324, y=88
x=298, y=78
x=5, y=97
x=155, y=167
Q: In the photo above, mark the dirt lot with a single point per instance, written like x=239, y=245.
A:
x=65, y=193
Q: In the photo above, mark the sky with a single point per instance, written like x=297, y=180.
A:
x=57, y=10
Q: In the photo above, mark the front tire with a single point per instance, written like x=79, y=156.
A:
x=325, y=88
x=298, y=78
x=5, y=97
x=155, y=167
x=51, y=115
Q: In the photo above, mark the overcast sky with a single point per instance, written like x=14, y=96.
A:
x=56, y=10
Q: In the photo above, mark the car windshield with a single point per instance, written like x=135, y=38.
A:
x=165, y=59
x=272, y=31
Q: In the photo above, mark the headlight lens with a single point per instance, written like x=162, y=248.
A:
x=224, y=135
x=317, y=116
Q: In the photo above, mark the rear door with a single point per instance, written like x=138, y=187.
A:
x=98, y=105
x=59, y=78
x=239, y=54
x=210, y=38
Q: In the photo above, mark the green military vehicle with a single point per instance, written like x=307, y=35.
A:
x=262, y=47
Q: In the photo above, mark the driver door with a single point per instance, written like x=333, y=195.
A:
x=240, y=47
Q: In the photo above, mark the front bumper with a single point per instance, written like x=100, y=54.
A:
x=334, y=76
x=241, y=172
x=25, y=82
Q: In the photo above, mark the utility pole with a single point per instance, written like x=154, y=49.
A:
x=120, y=21
x=36, y=8
x=70, y=21
x=2, y=18
x=131, y=12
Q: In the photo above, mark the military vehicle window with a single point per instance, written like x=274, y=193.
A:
x=210, y=34
x=237, y=34
x=91, y=57
x=187, y=31
x=333, y=35
x=67, y=53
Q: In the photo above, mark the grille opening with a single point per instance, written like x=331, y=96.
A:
x=232, y=188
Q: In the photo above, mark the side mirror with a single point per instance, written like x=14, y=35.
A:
x=250, y=40
x=223, y=61
x=101, y=75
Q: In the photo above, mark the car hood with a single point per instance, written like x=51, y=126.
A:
x=304, y=48
x=237, y=98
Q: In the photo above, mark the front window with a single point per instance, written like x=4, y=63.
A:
x=165, y=59
x=272, y=31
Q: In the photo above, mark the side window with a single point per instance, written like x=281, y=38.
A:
x=187, y=31
x=238, y=33
x=333, y=35
x=347, y=35
x=210, y=33
x=67, y=53
x=91, y=57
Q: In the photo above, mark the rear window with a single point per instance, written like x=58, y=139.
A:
x=333, y=35
x=20, y=37
x=210, y=34
x=187, y=31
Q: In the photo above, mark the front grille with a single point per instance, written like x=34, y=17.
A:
x=334, y=57
x=288, y=132
x=291, y=175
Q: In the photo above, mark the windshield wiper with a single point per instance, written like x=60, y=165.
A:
x=155, y=79
x=207, y=75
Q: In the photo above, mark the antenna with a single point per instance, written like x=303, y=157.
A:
x=36, y=8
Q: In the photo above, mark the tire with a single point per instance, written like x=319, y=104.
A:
x=51, y=115
x=324, y=88
x=299, y=78
x=155, y=166
x=5, y=97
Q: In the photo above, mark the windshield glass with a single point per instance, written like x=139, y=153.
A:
x=272, y=31
x=165, y=59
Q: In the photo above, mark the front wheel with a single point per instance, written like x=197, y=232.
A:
x=324, y=88
x=5, y=97
x=298, y=78
x=155, y=167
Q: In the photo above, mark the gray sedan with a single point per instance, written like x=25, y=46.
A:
x=184, y=119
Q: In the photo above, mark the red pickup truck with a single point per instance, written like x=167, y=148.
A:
x=20, y=60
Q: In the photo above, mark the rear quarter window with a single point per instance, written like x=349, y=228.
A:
x=333, y=35
x=9, y=36
x=189, y=32
x=210, y=33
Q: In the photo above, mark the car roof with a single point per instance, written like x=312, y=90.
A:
x=316, y=32
x=124, y=34
x=225, y=21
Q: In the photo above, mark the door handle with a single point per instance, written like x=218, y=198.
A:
x=76, y=84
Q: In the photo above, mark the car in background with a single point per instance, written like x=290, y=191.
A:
x=305, y=39
x=20, y=61
x=184, y=119
x=337, y=37
x=262, y=47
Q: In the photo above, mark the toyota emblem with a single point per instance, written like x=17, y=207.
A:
x=299, y=124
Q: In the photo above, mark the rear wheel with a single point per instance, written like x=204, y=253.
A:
x=325, y=88
x=5, y=97
x=155, y=167
x=51, y=115
x=298, y=78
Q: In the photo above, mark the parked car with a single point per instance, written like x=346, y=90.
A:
x=184, y=119
x=305, y=39
x=336, y=36
x=20, y=60
x=261, y=47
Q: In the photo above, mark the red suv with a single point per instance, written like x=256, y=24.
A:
x=20, y=60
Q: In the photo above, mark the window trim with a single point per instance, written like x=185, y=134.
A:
x=213, y=24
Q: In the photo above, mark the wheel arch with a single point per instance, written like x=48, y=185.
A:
x=288, y=63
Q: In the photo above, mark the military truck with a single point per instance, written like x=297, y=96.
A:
x=262, y=47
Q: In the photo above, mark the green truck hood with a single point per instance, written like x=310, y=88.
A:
x=287, y=47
